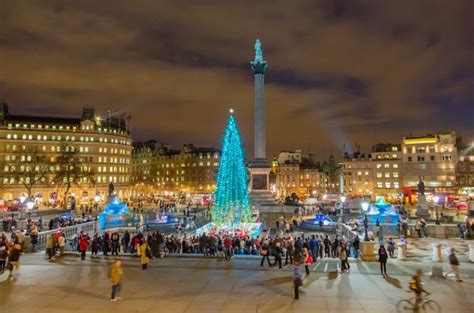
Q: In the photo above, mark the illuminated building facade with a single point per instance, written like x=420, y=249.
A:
x=102, y=147
x=465, y=172
x=297, y=173
x=387, y=170
x=431, y=158
x=144, y=167
x=189, y=170
x=357, y=173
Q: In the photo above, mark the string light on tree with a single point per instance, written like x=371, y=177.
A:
x=231, y=203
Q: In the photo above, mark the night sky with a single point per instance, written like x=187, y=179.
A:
x=340, y=72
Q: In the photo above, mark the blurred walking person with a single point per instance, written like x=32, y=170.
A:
x=454, y=265
x=297, y=278
x=115, y=275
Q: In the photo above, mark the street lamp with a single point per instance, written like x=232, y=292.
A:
x=96, y=199
x=365, y=208
x=343, y=199
x=22, y=198
x=435, y=202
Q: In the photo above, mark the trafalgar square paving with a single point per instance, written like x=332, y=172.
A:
x=203, y=284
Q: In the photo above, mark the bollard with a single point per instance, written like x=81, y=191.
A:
x=437, y=257
x=402, y=251
x=471, y=252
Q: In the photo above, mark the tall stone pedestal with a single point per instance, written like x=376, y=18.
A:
x=367, y=251
x=260, y=194
x=422, y=207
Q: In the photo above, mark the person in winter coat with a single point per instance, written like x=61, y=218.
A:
x=297, y=278
x=314, y=245
x=34, y=237
x=276, y=249
x=265, y=252
x=289, y=250
x=308, y=260
x=144, y=254
x=106, y=243
x=390, y=246
x=95, y=246
x=383, y=260
x=83, y=245
x=344, y=258
x=115, y=243
x=49, y=246
x=3, y=258
x=356, y=246
x=61, y=244
x=126, y=241
x=327, y=246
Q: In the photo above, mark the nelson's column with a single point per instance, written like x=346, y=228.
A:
x=259, y=168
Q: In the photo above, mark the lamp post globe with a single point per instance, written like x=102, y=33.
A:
x=30, y=205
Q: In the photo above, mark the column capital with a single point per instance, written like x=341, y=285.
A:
x=258, y=67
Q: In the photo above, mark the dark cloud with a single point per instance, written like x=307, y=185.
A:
x=340, y=72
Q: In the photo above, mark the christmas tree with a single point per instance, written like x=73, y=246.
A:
x=231, y=202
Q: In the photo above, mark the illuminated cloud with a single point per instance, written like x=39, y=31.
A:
x=340, y=72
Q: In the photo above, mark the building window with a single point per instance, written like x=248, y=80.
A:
x=421, y=159
x=379, y=185
x=432, y=158
x=395, y=174
x=379, y=175
x=396, y=185
x=409, y=159
x=387, y=175
x=379, y=165
x=387, y=184
x=386, y=165
x=395, y=165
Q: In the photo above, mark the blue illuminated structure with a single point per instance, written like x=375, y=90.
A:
x=231, y=202
x=115, y=214
x=116, y=207
x=319, y=222
x=383, y=212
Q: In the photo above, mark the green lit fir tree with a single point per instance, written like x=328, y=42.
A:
x=231, y=202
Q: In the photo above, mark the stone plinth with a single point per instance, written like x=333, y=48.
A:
x=367, y=251
x=402, y=251
x=422, y=207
